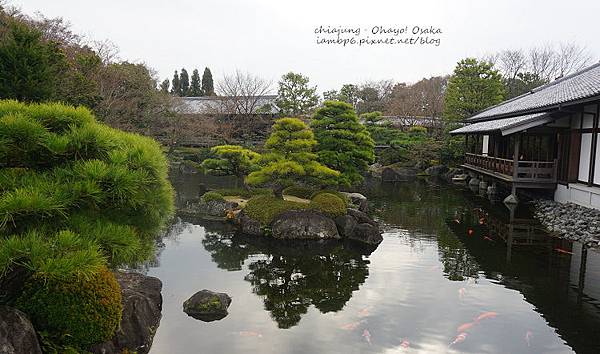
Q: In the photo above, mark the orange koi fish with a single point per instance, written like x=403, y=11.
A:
x=461, y=293
x=528, y=336
x=351, y=326
x=465, y=327
x=405, y=344
x=481, y=221
x=367, y=335
x=563, y=251
x=470, y=232
x=250, y=334
x=485, y=315
x=459, y=338
x=364, y=312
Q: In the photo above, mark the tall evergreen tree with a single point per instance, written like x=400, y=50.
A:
x=295, y=96
x=184, y=81
x=176, y=85
x=195, y=88
x=208, y=87
x=164, y=86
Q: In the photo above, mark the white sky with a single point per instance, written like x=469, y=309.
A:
x=271, y=37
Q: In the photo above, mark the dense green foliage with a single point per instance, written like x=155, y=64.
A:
x=195, y=85
x=76, y=312
x=328, y=191
x=295, y=97
x=76, y=194
x=299, y=191
x=290, y=159
x=208, y=87
x=329, y=204
x=231, y=160
x=344, y=144
x=176, y=85
x=473, y=86
x=212, y=196
x=184, y=82
x=244, y=193
x=265, y=208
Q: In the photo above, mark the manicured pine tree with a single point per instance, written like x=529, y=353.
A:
x=195, y=88
x=208, y=88
x=344, y=144
x=164, y=86
x=232, y=160
x=176, y=85
x=184, y=81
x=291, y=159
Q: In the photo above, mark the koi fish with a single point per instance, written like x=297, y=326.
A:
x=351, y=326
x=488, y=238
x=459, y=338
x=364, y=312
x=250, y=334
x=465, y=327
x=367, y=335
x=485, y=315
x=528, y=336
x=461, y=293
x=481, y=221
x=563, y=251
x=405, y=344
x=470, y=232
x=457, y=221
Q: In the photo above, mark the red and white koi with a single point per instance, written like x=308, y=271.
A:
x=351, y=326
x=405, y=344
x=486, y=315
x=470, y=232
x=250, y=334
x=367, y=336
x=487, y=238
x=461, y=293
x=459, y=338
x=563, y=251
x=364, y=312
x=528, y=336
x=465, y=327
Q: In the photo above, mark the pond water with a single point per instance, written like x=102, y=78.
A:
x=444, y=262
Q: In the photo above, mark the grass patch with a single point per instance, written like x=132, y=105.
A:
x=265, y=208
x=212, y=196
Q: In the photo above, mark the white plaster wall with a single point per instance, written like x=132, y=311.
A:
x=579, y=194
x=584, y=157
x=486, y=144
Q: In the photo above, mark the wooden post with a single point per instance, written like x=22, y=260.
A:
x=516, y=164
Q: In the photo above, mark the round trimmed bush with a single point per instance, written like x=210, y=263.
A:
x=336, y=193
x=212, y=196
x=76, y=312
x=299, y=191
x=329, y=204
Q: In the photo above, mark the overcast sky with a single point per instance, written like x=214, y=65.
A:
x=271, y=37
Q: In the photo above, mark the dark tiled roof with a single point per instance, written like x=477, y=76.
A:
x=503, y=125
x=580, y=85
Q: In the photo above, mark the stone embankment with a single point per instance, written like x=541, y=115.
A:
x=570, y=221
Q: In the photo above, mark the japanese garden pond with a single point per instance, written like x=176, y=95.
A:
x=443, y=274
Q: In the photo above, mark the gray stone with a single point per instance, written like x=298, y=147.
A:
x=436, y=171
x=366, y=233
x=17, y=335
x=361, y=218
x=248, y=225
x=303, y=224
x=474, y=182
x=213, y=207
x=394, y=173
x=511, y=199
x=358, y=201
x=207, y=306
x=345, y=225
x=142, y=305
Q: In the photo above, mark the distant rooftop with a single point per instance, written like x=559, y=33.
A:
x=567, y=90
x=226, y=104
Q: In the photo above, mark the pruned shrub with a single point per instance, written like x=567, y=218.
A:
x=76, y=312
x=265, y=208
x=328, y=191
x=329, y=204
x=299, y=191
x=211, y=196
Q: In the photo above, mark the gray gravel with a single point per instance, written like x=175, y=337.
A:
x=570, y=221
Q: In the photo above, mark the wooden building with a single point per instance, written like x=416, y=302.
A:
x=546, y=138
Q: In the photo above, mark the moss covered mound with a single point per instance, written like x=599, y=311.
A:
x=299, y=191
x=329, y=204
x=265, y=208
x=76, y=312
x=212, y=196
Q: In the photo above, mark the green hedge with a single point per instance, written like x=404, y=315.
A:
x=336, y=193
x=299, y=191
x=329, y=204
x=265, y=208
x=212, y=196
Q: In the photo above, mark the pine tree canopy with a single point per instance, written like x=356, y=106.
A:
x=208, y=88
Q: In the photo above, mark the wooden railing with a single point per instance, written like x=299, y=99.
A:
x=527, y=171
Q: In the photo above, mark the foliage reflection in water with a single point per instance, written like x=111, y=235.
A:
x=443, y=280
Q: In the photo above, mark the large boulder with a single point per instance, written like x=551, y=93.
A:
x=345, y=225
x=303, y=224
x=207, y=306
x=248, y=225
x=436, y=171
x=357, y=200
x=212, y=207
x=17, y=335
x=395, y=173
x=361, y=217
x=142, y=305
x=366, y=233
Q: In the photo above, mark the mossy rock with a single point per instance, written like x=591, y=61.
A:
x=212, y=196
x=329, y=204
x=265, y=208
x=76, y=312
x=207, y=306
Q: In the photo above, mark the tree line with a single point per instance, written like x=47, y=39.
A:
x=182, y=86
